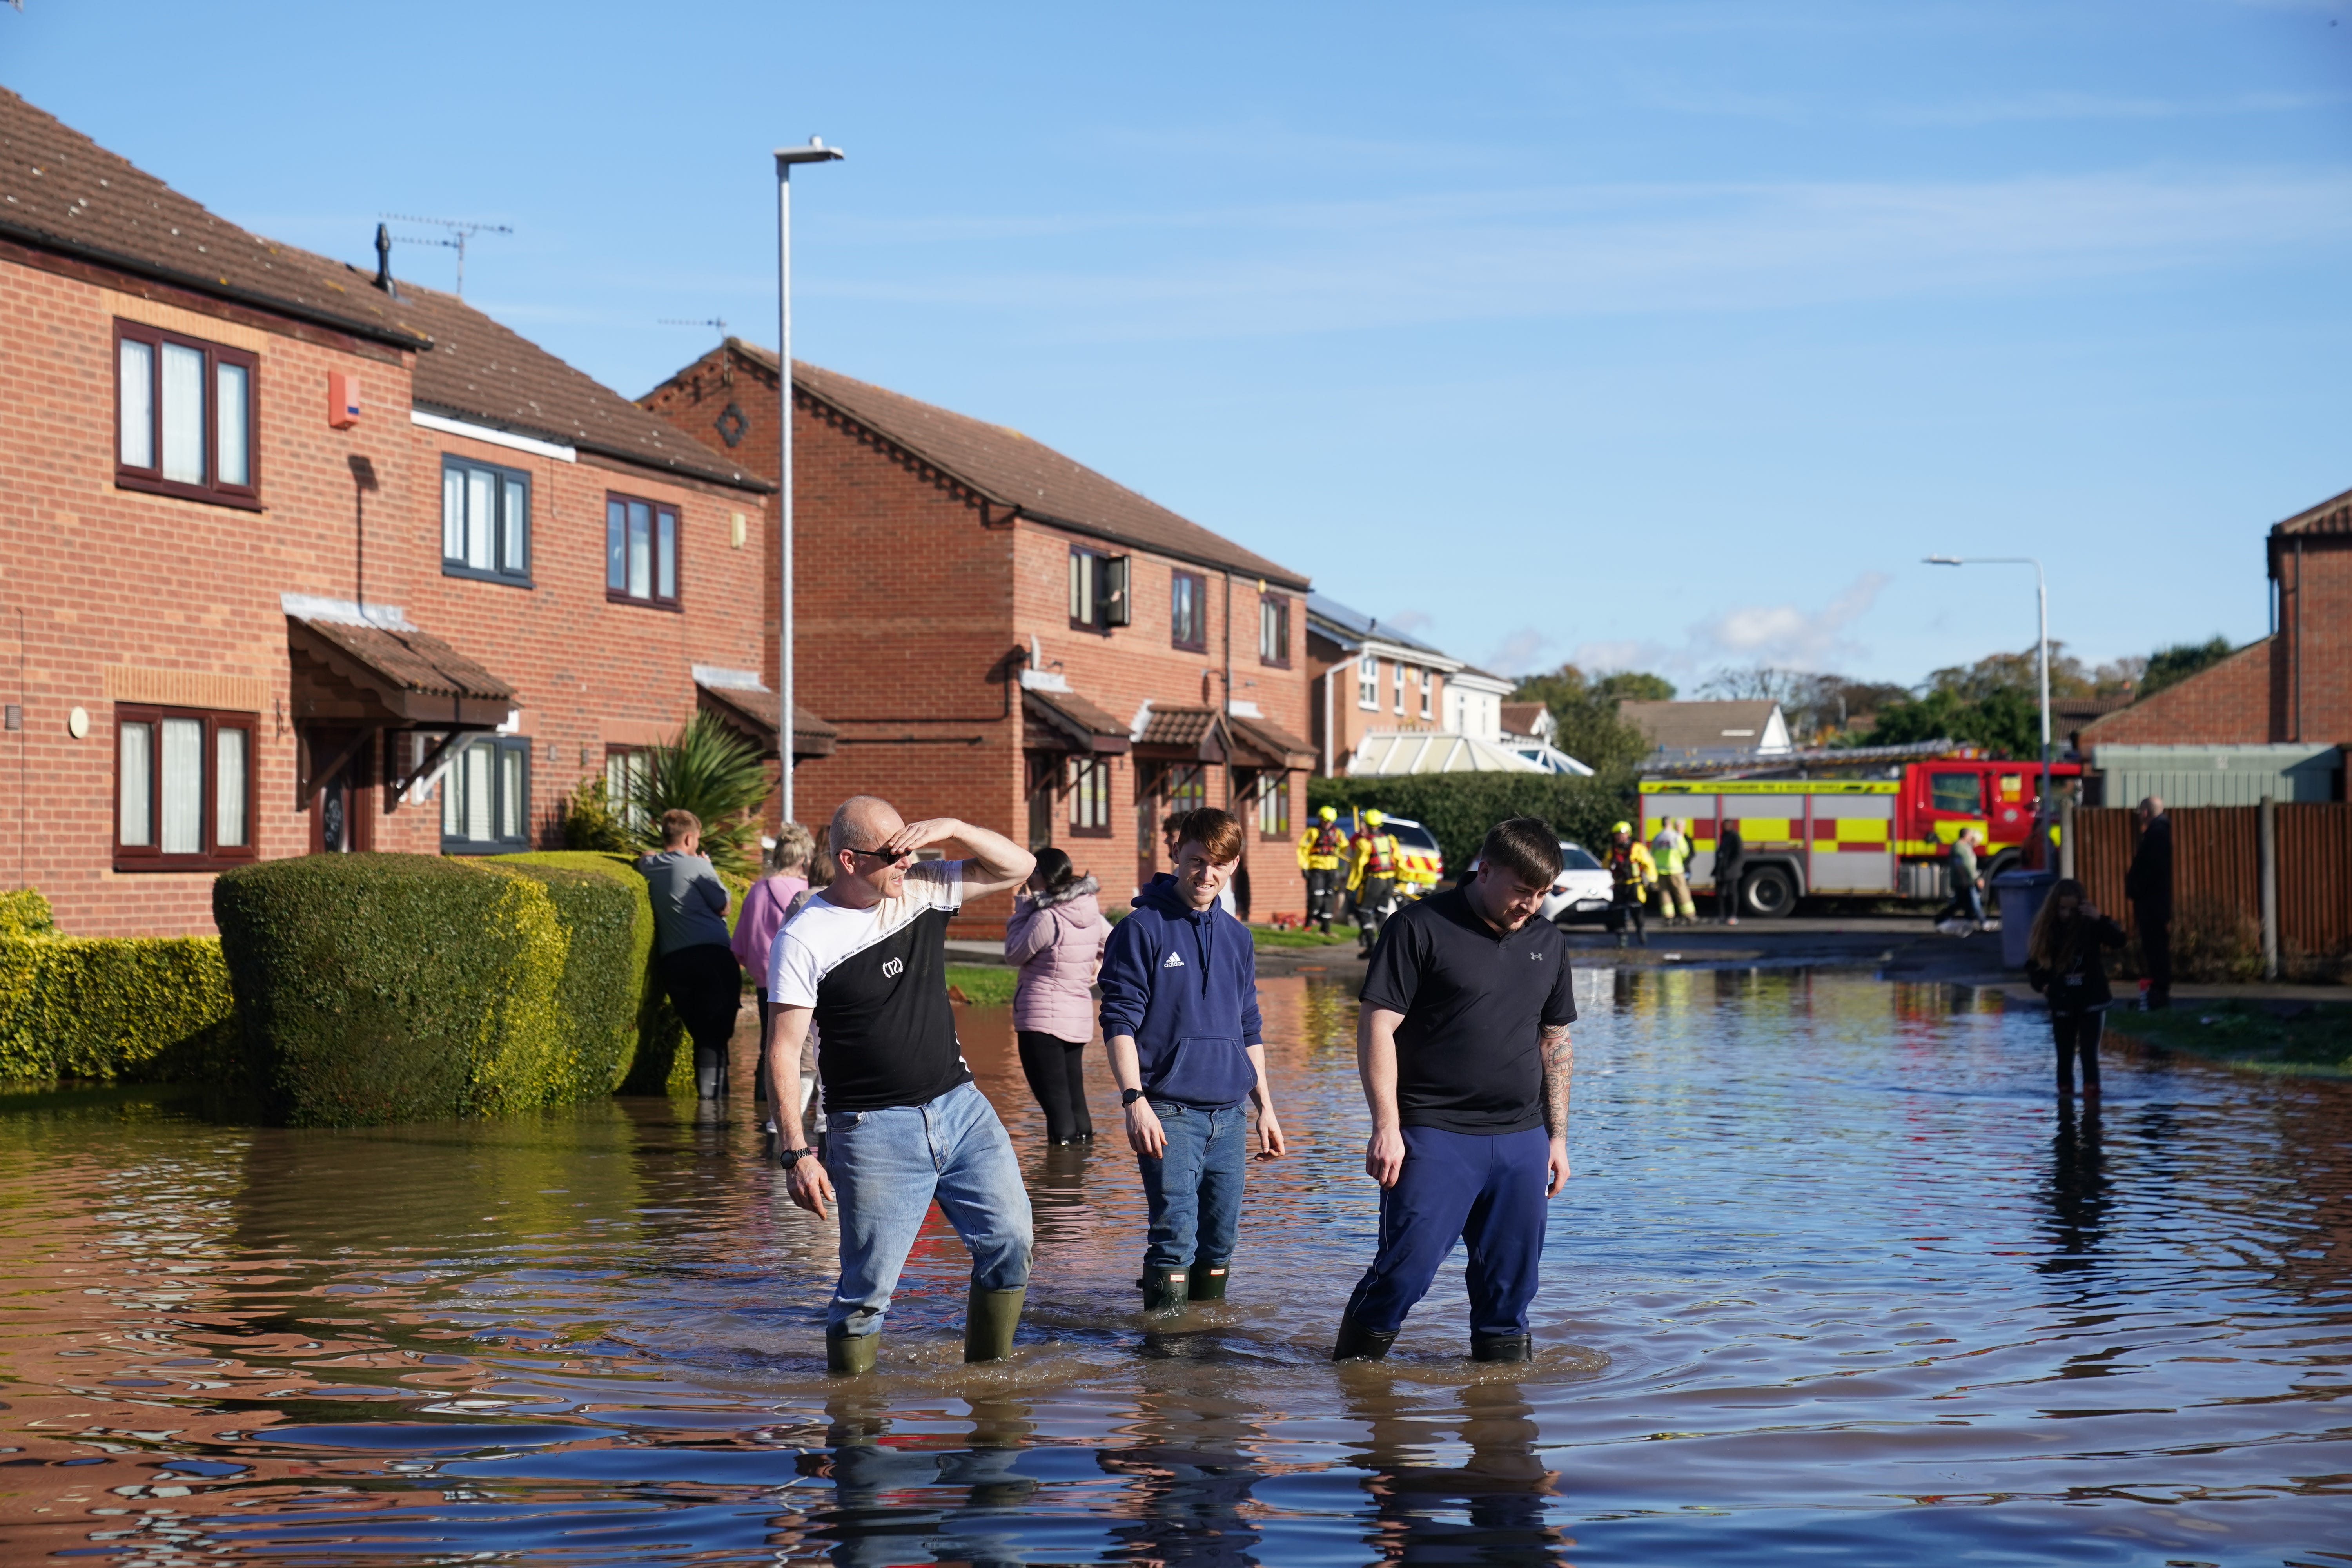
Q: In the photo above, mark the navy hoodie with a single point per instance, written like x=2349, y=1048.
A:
x=1183, y=981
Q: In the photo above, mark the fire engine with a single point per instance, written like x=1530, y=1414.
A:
x=1871, y=822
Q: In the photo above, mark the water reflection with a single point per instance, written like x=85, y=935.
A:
x=1836, y=1276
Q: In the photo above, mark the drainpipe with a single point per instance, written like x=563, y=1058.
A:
x=2298, y=637
x=2268, y=838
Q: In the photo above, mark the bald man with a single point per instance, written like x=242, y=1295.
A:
x=866, y=960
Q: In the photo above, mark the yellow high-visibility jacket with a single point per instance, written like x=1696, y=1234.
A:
x=1372, y=855
x=1669, y=851
x=1321, y=847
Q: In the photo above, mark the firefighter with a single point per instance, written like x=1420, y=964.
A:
x=1371, y=877
x=1670, y=851
x=1632, y=876
x=1320, y=851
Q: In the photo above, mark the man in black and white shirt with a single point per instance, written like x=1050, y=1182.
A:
x=904, y=1124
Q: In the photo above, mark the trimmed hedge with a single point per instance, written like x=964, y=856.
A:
x=375, y=988
x=1460, y=807
x=106, y=1007
x=23, y=912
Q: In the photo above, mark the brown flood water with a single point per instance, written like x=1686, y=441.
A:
x=1835, y=1281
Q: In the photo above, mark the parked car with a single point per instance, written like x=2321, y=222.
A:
x=1580, y=891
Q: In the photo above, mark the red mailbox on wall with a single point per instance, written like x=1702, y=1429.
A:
x=342, y=399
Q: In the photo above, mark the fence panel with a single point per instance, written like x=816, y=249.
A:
x=2104, y=837
x=2216, y=862
x=2315, y=852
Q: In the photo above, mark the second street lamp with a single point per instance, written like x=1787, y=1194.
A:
x=2042, y=610
x=816, y=151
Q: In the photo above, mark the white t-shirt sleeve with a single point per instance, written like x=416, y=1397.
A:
x=936, y=882
x=792, y=972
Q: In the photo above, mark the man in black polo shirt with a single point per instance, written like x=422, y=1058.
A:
x=1462, y=1046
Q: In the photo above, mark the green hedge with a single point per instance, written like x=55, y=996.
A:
x=23, y=912
x=376, y=988
x=105, y=1007
x=1460, y=807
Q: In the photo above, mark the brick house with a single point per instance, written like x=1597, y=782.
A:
x=2290, y=689
x=298, y=558
x=1367, y=678
x=1001, y=634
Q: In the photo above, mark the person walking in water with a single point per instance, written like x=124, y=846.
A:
x=691, y=956
x=1180, y=1015
x=1320, y=848
x=1372, y=876
x=2062, y=962
x=2149, y=885
x=1631, y=875
x=1055, y=936
x=1966, y=900
x=866, y=961
x=1730, y=851
x=766, y=907
x=1462, y=1046
x=1670, y=851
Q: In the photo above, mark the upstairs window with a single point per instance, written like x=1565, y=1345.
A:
x=1100, y=599
x=484, y=522
x=640, y=551
x=1404, y=675
x=183, y=789
x=185, y=416
x=486, y=798
x=1274, y=630
x=1428, y=687
x=1188, y=617
x=1367, y=683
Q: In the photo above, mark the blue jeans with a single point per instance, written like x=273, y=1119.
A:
x=1487, y=1189
x=888, y=1165
x=1194, y=1189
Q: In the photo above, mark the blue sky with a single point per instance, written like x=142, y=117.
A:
x=1665, y=335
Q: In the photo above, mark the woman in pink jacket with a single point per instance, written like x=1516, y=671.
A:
x=1056, y=935
x=766, y=908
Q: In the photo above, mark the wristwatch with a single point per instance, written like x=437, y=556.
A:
x=1130, y=1096
x=788, y=1158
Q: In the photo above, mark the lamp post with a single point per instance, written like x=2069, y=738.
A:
x=2042, y=609
x=816, y=151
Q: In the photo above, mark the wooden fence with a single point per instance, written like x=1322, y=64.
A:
x=2217, y=867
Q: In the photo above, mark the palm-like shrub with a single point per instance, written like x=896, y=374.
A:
x=709, y=771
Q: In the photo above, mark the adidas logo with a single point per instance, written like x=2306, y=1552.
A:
x=1175, y=961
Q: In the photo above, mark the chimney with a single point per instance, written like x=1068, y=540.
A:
x=383, y=262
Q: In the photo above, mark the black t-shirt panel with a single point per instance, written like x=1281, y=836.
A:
x=1475, y=1004
x=885, y=1030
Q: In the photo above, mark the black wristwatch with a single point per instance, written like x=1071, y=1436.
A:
x=1130, y=1096
x=788, y=1158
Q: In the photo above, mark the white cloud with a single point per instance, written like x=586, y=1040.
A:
x=1409, y=622
x=1518, y=653
x=1788, y=635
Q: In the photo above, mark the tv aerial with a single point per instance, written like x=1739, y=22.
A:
x=460, y=230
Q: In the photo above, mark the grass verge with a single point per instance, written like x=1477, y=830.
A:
x=1266, y=936
x=985, y=985
x=2297, y=1038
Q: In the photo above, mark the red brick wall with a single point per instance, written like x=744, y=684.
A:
x=2226, y=705
x=105, y=576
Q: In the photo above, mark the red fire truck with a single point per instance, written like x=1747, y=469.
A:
x=1865, y=823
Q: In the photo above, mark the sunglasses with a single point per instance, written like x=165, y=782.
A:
x=884, y=855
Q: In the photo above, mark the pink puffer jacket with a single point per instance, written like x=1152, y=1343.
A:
x=1056, y=939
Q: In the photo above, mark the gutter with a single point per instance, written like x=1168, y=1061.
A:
x=740, y=480
x=40, y=239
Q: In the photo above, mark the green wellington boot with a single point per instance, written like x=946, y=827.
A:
x=1207, y=1281
x=1500, y=1347
x=988, y=1318
x=1164, y=1295
x=1359, y=1343
x=850, y=1353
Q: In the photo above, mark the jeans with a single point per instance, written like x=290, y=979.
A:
x=1194, y=1190
x=1487, y=1189
x=1055, y=1069
x=2078, y=1034
x=888, y=1165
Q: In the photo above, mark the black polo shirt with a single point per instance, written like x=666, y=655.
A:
x=1476, y=1002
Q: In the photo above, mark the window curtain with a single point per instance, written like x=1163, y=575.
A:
x=138, y=827
x=236, y=461
x=183, y=414
x=616, y=547
x=481, y=517
x=479, y=758
x=640, y=545
x=228, y=787
x=453, y=514
x=183, y=786
x=515, y=521
x=510, y=802
x=137, y=373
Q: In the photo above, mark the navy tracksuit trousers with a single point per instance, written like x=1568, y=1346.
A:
x=1486, y=1189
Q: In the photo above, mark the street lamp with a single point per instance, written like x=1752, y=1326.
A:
x=2042, y=606
x=816, y=151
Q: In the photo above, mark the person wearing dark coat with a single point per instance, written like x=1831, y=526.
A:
x=2062, y=962
x=1729, y=850
x=2149, y=885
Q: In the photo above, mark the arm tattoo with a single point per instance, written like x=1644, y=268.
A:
x=1559, y=1067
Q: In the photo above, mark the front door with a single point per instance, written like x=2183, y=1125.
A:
x=340, y=820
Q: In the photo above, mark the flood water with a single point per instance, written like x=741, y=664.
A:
x=1835, y=1282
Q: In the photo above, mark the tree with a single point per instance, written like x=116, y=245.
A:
x=1586, y=713
x=2005, y=721
x=2171, y=666
x=713, y=773
x=1819, y=706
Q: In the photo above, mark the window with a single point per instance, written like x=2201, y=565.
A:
x=184, y=416
x=1188, y=618
x=486, y=797
x=1188, y=788
x=1273, y=805
x=1367, y=683
x=1089, y=797
x=1953, y=791
x=1274, y=630
x=1403, y=674
x=484, y=522
x=640, y=551
x=184, y=795
x=625, y=776
x=1428, y=686
x=1098, y=591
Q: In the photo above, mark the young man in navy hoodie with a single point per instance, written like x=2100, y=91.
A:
x=1179, y=1012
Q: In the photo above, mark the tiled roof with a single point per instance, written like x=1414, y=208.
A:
x=1700, y=726
x=1012, y=471
x=2332, y=515
x=409, y=660
x=1179, y=729
x=754, y=709
x=1075, y=719
x=484, y=374
x=1521, y=717
x=61, y=191
x=1275, y=746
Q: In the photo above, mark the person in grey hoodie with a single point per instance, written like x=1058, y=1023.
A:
x=1180, y=1015
x=1056, y=934
x=691, y=955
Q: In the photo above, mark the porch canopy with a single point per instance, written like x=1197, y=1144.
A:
x=1060, y=719
x=743, y=702
x=358, y=671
